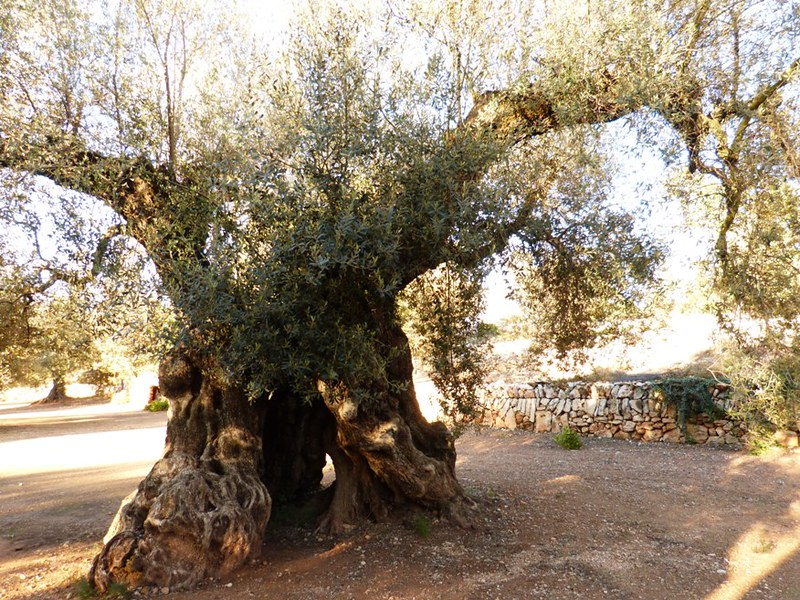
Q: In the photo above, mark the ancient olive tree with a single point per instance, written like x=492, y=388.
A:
x=286, y=201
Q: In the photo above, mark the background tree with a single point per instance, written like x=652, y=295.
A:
x=57, y=346
x=286, y=204
x=76, y=299
x=743, y=183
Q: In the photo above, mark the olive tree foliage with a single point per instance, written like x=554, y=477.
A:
x=442, y=310
x=743, y=184
x=589, y=262
x=338, y=160
x=586, y=276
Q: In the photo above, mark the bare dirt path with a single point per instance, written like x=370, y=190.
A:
x=613, y=520
x=63, y=472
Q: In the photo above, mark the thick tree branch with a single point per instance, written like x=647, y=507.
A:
x=102, y=246
x=782, y=80
x=161, y=212
x=517, y=115
x=733, y=202
x=757, y=101
x=728, y=152
x=504, y=118
x=697, y=31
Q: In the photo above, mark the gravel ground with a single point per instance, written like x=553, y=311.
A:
x=614, y=520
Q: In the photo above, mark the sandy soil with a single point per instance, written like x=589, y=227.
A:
x=613, y=520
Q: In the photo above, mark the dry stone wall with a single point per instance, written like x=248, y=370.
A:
x=630, y=410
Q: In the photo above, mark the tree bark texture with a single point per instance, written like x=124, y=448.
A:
x=202, y=509
x=386, y=454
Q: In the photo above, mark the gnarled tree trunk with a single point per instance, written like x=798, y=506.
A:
x=386, y=454
x=202, y=509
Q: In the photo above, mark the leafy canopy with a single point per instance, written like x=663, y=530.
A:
x=287, y=199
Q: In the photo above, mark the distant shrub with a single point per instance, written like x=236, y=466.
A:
x=568, y=439
x=157, y=405
x=766, y=388
x=422, y=526
x=116, y=591
x=488, y=330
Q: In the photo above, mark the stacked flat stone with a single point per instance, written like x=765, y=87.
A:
x=630, y=410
